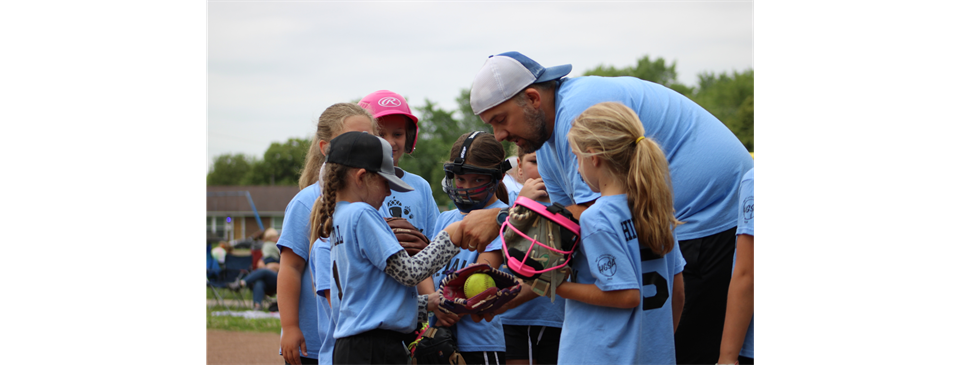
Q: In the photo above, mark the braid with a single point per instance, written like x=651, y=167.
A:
x=321, y=218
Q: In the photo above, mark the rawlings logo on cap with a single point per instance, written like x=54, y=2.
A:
x=389, y=101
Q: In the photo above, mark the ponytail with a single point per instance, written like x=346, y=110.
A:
x=650, y=197
x=614, y=133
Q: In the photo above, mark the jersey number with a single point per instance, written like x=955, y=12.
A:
x=336, y=280
x=654, y=278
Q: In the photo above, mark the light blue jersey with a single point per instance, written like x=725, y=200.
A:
x=321, y=271
x=417, y=206
x=471, y=336
x=610, y=257
x=295, y=236
x=745, y=226
x=706, y=159
x=361, y=244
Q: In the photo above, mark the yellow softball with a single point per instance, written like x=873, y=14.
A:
x=477, y=283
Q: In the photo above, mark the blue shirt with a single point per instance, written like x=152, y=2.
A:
x=417, y=206
x=706, y=159
x=321, y=271
x=295, y=236
x=471, y=336
x=361, y=244
x=745, y=226
x=611, y=258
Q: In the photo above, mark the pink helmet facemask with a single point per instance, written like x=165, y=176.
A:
x=538, y=238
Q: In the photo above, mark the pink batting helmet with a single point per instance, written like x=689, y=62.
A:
x=386, y=102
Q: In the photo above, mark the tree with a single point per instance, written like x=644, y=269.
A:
x=229, y=169
x=730, y=99
x=654, y=71
x=281, y=164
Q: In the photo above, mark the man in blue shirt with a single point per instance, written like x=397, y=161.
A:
x=534, y=107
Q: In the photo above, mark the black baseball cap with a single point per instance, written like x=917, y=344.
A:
x=369, y=152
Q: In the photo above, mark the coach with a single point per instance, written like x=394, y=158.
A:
x=534, y=107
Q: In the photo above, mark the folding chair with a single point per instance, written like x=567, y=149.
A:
x=234, y=267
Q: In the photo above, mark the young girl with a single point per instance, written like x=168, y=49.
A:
x=373, y=278
x=301, y=322
x=737, y=344
x=623, y=303
x=532, y=328
x=473, y=180
x=399, y=127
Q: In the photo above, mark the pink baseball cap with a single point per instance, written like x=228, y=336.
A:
x=386, y=102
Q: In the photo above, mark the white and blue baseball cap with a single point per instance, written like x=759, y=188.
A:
x=504, y=75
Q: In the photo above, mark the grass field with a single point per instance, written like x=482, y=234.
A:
x=229, y=323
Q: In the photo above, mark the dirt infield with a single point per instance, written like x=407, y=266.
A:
x=229, y=347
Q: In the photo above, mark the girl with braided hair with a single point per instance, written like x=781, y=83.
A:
x=373, y=291
x=305, y=336
x=625, y=292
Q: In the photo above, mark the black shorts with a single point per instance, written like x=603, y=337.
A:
x=372, y=347
x=484, y=358
x=538, y=343
x=706, y=280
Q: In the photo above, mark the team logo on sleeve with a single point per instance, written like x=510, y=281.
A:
x=748, y=209
x=607, y=265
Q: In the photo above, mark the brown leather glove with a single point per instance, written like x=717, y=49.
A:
x=409, y=236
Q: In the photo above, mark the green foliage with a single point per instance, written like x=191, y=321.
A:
x=655, y=71
x=229, y=169
x=281, y=165
x=730, y=99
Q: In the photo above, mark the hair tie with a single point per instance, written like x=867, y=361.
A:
x=638, y=140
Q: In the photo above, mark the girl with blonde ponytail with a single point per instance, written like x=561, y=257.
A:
x=306, y=336
x=627, y=282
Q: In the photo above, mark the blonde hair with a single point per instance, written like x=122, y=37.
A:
x=329, y=125
x=615, y=134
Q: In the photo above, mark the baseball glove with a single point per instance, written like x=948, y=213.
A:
x=454, y=300
x=409, y=236
x=437, y=346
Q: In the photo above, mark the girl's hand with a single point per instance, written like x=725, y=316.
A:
x=292, y=345
x=534, y=189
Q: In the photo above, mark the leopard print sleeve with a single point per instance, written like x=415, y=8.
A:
x=422, y=311
x=410, y=270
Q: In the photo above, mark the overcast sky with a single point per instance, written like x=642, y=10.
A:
x=274, y=67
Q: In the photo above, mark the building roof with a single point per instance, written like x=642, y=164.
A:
x=272, y=199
